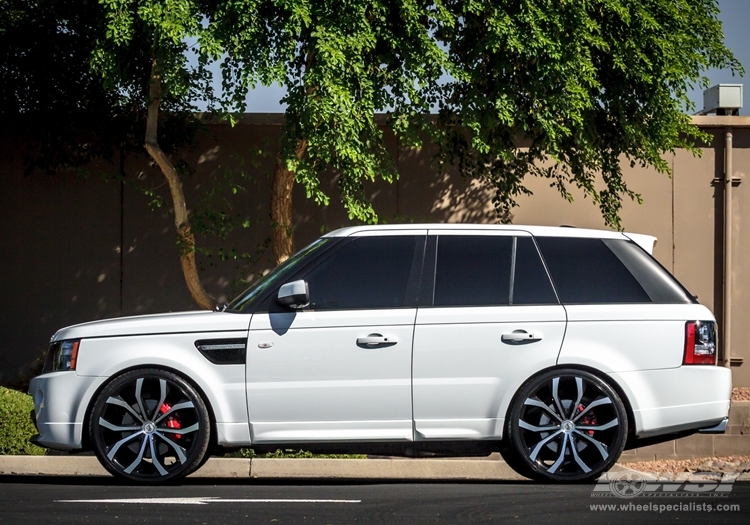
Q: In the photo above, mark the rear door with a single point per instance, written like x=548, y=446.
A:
x=488, y=319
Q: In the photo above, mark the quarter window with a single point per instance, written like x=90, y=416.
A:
x=586, y=271
x=657, y=282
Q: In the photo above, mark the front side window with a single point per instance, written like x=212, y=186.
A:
x=247, y=300
x=367, y=272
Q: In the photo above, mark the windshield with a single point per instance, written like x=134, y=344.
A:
x=273, y=278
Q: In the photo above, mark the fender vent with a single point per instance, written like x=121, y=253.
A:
x=223, y=351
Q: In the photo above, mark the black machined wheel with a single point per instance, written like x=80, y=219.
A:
x=150, y=426
x=567, y=425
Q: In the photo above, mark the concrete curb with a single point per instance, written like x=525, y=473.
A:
x=271, y=468
x=427, y=469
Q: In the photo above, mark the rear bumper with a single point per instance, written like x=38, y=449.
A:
x=677, y=399
x=718, y=429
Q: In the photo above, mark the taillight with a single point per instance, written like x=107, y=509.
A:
x=700, y=343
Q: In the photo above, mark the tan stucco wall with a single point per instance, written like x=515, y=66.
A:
x=77, y=249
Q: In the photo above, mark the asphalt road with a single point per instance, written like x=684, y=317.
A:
x=36, y=500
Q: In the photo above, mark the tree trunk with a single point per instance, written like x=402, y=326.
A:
x=185, y=237
x=282, y=234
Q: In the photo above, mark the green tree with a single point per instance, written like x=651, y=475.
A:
x=341, y=62
x=66, y=114
x=580, y=85
x=165, y=80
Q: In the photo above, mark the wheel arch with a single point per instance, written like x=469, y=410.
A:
x=598, y=373
x=86, y=434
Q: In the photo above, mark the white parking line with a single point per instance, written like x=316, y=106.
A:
x=202, y=501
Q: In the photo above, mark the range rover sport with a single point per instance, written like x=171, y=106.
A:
x=557, y=346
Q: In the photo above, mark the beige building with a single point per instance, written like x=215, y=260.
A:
x=83, y=246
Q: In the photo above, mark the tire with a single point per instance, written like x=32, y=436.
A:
x=566, y=426
x=150, y=426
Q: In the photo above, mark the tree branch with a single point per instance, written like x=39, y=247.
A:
x=185, y=237
x=282, y=224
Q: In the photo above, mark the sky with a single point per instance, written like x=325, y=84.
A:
x=735, y=18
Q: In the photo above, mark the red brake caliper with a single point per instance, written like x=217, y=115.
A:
x=588, y=419
x=172, y=421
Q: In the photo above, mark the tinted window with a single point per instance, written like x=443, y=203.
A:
x=473, y=270
x=246, y=301
x=531, y=283
x=658, y=283
x=586, y=271
x=368, y=272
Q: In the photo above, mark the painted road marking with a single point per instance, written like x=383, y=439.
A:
x=202, y=501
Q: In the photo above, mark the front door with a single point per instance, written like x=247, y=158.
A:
x=340, y=369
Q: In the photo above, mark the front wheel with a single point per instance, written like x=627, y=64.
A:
x=150, y=426
x=567, y=425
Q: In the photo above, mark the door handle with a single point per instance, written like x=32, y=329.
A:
x=520, y=337
x=376, y=339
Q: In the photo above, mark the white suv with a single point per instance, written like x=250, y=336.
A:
x=555, y=345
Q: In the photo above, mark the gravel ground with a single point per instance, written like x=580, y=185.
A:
x=741, y=393
x=725, y=464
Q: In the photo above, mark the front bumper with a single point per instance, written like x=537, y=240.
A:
x=60, y=402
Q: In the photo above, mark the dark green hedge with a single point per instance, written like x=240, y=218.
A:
x=15, y=425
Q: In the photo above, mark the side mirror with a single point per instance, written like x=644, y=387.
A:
x=294, y=295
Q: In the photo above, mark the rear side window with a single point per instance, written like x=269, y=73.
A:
x=530, y=283
x=587, y=271
x=490, y=270
x=473, y=270
x=368, y=272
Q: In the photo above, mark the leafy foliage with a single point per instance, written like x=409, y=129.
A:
x=164, y=27
x=581, y=86
x=48, y=90
x=341, y=61
x=135, y=34
x=158, y=30
x=16, y=428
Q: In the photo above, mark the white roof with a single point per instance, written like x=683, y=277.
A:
x=645, y=241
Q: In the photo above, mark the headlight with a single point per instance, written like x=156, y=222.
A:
x=62, y=355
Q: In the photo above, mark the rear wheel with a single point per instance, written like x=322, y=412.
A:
x=150, y=426
x=567, y=425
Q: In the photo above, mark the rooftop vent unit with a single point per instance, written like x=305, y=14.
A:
x=722, y=99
